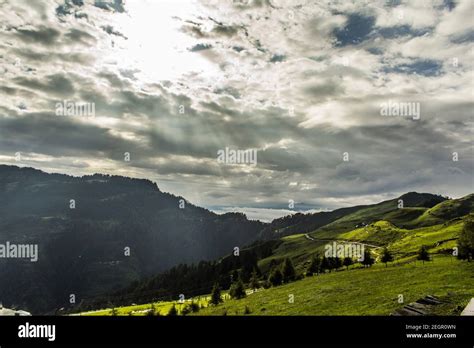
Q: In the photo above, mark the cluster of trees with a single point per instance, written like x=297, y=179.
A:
x=279, y=274
x=236, y=291
x=192, y=280
x=322, y=264
x=283, y=273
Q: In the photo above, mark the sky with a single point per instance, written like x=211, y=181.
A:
x=313, y=87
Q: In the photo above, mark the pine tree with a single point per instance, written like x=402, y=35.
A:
x=254, y=283
x=276, y=277
x=335, y=262
x=368, y=259
x=347, y=262
x=288, y=271
x=237, y=290
x=386, y=256
x=216, y=295
x=173, y=311
x=314, y=266
x=423, y=254
x=325, y=264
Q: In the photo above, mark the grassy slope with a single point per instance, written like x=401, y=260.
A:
x=372, y=291
x=401, y=242
x=365, y=291
x=446, y=210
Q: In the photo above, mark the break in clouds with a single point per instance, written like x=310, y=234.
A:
x=344, y=103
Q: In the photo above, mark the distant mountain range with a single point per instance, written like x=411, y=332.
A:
x=99, y=233
x=303, y=223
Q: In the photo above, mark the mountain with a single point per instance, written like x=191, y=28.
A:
x=119, y=231
x=344, y=218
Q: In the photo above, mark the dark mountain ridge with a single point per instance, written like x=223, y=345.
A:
x=120, y=230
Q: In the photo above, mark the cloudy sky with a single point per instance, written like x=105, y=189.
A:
x=302, y=82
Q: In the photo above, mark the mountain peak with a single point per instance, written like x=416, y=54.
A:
x=415, y=199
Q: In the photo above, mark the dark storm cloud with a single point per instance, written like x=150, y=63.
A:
x=225, y=30
x=324, y=89
x=58, y=136
x=35, y=57
x=57, y=84
x=278, y=159
x=42, y=35
x=80, y=36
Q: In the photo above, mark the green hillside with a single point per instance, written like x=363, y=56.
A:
x=377, y=225
x=371, y=291
x=357, y=290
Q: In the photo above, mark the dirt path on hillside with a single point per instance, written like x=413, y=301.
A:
x=341, y=240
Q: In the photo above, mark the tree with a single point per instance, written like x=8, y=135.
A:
x=254, y=283
x=276, y=277
x=152, y=310
x=288, y=271
x=325, y=264
x=347, y=262
x=466, y=241
x=423, y=254
x=334, y=263
x=237, y=290
x=173, y=312
x=314, y=266
x=216, y=295
x=368, y=259
x=386, y=256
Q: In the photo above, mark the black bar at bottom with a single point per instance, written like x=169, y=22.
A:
x=133, y=331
